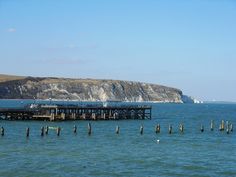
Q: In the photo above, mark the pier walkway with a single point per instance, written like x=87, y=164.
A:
x=73, y=112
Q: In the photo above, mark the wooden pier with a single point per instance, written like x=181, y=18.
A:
x=73, y=112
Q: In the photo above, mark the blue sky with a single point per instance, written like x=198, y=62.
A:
x=187, y=44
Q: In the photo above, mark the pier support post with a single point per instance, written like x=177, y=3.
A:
x=93, y=116
x=84, y=116
x=52, y=117
x=63, y=116
x=115, y=116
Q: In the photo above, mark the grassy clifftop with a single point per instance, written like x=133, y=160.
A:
x=4, y=78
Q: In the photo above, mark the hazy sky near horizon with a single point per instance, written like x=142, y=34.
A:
x=187, y=44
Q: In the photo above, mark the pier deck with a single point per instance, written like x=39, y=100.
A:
x=72, y=112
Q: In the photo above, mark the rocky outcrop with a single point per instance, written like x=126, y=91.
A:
x=87, y=90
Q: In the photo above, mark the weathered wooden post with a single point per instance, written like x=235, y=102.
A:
x=104, y=116
x=227, y=127
x=58, y=131
x=231, y=127
x=93, y=116
x=42, y=131
x=27, y=132
x=202, y=128
x=181, y=128
x=158, y=128
x=75, y=129
x=89, y=129
x=170, y=129
x=115, y=116
x=212, y=125
x=2, y=131
x=117, y=129
x=222, y=125
x=46, y=130
x=141, y=129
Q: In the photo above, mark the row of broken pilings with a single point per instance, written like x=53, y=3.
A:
x=45, y=130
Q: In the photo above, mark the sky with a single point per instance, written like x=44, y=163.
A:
x=186, y=44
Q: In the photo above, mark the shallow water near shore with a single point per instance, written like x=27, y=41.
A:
x=104, y=153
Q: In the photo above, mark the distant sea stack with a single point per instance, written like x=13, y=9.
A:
x=17, y=87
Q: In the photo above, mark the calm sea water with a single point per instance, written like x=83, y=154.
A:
x=128, y=154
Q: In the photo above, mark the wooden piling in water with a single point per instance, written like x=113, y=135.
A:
x=27, y=132
x=158, y=128
x=75, y=129
x=181, y=128
x=42, y=131
x=58, y=131
x=46, y=130
x=141, y=129
x=227, y=128
x=2, y=131
x=117, y=129
x=222, y=125
x=226, y=123
x=89, y=129
x=231, y=127
x=212, y=125
x=202, y=128
x=170, y=129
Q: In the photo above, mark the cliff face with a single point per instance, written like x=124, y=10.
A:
x=87, y=90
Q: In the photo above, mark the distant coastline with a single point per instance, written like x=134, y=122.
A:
x=219, y=102
x=46, y=88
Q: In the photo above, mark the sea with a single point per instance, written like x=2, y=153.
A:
x=105, y=153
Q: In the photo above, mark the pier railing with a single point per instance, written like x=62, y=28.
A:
x=73, y=112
